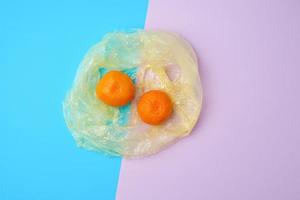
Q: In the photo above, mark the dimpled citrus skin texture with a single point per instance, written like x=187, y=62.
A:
x=115, y=89
x=155, y=107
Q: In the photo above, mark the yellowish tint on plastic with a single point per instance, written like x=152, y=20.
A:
x=165, y=61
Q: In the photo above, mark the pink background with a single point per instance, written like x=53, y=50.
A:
x=246, y=144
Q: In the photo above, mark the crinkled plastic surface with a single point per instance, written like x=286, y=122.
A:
x=154, y=60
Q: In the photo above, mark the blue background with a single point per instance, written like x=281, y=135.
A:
x=41, y=46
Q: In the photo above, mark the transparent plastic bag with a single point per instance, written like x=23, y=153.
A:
x=154, y=60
